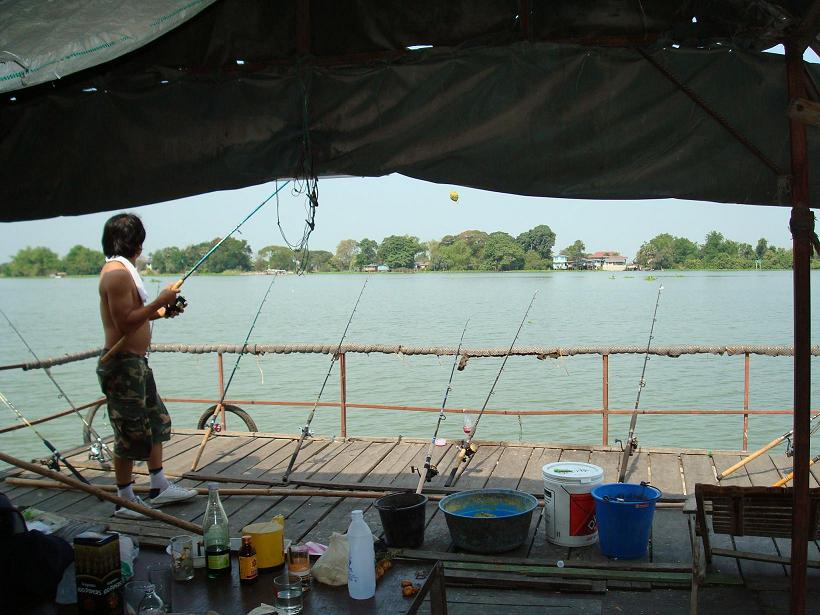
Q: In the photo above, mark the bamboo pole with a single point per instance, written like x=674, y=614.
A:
x=100, y=493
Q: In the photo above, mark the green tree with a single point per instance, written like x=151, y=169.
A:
x=575, y=252
x=169, y=260
x=83, y=261
x=232, y=255
x=533, y=261
x=368, y=250
x=502, y=253
x=540, y=239
x=320, y=260
x=761, y=248
x=30, y=262
x=399, y=251
x=277, y=257
x=346, y=251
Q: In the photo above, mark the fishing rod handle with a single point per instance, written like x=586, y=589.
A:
x=751, y=457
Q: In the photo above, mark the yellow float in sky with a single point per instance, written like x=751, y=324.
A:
x=454, y=196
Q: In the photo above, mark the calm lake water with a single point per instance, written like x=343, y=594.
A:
x=60, y=316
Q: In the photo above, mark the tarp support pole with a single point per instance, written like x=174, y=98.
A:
x=802, y=225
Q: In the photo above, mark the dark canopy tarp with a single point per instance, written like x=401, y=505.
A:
x=534, y=117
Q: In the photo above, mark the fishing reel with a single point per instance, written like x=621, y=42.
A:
x=176, y=307
x=466, y=451
x=431, y=473
x=52, y=463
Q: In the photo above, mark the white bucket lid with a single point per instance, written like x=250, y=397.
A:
x=572, y=472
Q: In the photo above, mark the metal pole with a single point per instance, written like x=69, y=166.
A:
x=802, y=223
x=343, y=394
x=605, y=412
x=746, y=402
x=221, y=376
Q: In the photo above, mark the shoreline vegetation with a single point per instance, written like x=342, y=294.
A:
x=469, y=251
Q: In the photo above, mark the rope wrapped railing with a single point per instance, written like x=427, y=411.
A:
x=540, y=352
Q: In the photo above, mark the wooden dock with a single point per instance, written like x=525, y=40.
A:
x=386, y=462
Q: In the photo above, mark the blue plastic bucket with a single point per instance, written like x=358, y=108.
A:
x=624, y=514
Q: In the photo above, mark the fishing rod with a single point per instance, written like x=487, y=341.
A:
x=631, y=440
x=769, y=446
x=429, y=471
x=468, y=449
x=220, y=407
x=783, y=481
x=98, y=449
x=178, y=284
x=306, y=429
x=56, y=457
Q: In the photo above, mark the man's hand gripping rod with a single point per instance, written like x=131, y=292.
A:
x=306, y=429
x=178, y=284
x=468, y=449
x=631, y=440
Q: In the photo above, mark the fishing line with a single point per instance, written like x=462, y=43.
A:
x=429, y=471
x=468, y=449
x=631, y=440
x=98, y=448
x=306, y=429
x=241, y=354
x=56, y=457
x=178, y=284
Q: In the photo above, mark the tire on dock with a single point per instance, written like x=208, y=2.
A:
x=235, y=410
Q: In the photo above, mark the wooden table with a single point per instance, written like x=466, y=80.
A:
x=228, y=597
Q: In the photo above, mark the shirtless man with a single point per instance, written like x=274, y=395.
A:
x=137, y=414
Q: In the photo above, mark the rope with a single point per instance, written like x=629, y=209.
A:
x=540, y=352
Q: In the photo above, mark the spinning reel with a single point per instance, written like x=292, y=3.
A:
x=429, y=475
x=176, y=307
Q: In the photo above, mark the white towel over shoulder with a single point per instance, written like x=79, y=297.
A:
x=135, y=275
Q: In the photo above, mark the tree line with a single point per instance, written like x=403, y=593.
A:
x=471, y=250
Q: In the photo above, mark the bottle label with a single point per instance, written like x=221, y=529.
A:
x=247, y=567
x=219, y=561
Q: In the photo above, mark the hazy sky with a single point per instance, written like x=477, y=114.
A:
x=376, y=207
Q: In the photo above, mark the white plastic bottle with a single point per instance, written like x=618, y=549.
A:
x=361, y=561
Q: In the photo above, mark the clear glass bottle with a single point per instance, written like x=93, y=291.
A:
x=151, y=604
x=216, y=530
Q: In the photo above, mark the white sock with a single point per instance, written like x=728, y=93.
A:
x=158, y=480
x=126, y=493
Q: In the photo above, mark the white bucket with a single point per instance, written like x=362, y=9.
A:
x=569, y=510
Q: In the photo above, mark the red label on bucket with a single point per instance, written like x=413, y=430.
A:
x=582, y=520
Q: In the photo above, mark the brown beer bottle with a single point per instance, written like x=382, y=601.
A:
x=248, y=572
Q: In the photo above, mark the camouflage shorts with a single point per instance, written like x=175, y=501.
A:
x=135, y=411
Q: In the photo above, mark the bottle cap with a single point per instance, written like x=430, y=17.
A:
x=213, y=486
x=246, y=540
x=356, y=513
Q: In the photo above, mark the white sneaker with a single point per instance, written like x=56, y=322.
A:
x=127, y=513
x=172, y=495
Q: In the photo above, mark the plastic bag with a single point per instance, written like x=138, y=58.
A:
x=331, y=568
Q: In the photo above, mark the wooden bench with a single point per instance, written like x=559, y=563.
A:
x=743, y=511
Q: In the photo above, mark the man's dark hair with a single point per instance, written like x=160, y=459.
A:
x=123, y=235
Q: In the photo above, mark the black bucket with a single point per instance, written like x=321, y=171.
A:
x=402, y=516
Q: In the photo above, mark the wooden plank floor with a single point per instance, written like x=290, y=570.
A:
x=388, y=462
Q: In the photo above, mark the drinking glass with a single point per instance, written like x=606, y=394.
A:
x=159, y=575
x=133, y=595
x=299, y=564
x=468, y=422
x=182, y=558
x=288, y=589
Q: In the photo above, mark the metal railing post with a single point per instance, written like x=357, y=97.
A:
x=221, y=376
x=605, y=410
x=343, y=394
x=746, y=402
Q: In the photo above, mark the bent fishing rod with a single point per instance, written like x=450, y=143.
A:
x=631, y=440
x=786, y=479
x=306, y=429
x=98, y=448
x=178, y=284
x=212, y=424
x=429, y=471
x=769, y=446
x=468, y=449
x=56, y=457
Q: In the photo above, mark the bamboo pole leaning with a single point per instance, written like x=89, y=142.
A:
x=100, y=493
